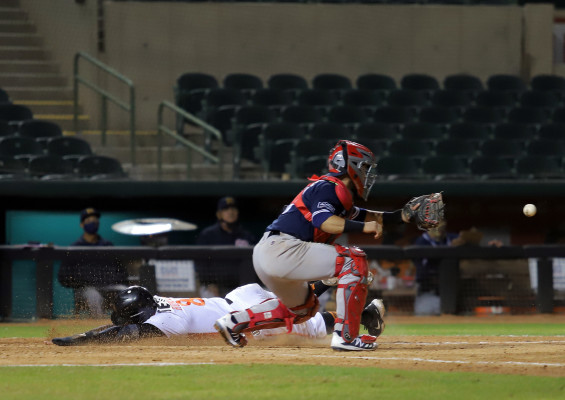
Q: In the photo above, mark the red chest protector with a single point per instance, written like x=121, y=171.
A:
x=344, y=196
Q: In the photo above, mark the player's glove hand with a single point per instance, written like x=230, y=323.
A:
x=425, y=211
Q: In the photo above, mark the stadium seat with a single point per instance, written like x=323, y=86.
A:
x=445, y=167
x=452, y=98
x=549, y=83
x=287, y=82
x=39, y=129
x=350, y=115
x=273, y=98
x=506, y=83
x=399, y=168
x=439, y=115
x=14, y=113
x=329, y=130
x=275, y=143
x=376, y=82
x=221, y=119
x=419, y=82
x=407, y=98
x=246, y=127
x=301, y=114
x=488, y=167
x=6, y=129
x=456, y=147
x=514, y=131
x=248, y=83
x=97, y=167
x=534, y=98
x=539, y=167
x=552, y=131
x=307, y=155
x=466, y=83
x=546, y=147
x=423, y=131
x=368, y=99
x=190, y=89
x=19, y=146
x=496, y=99
x=4, y=97
x=528, y=115
x=220, y=97
x=410, y=148
x=68, y=147
x=317, y=98
x=395, y=115
x=334, y=82
x=375, y=130
x=470, y=131
x=12, y=168
x=502, y=148
x=483, y=115
x=50, y=167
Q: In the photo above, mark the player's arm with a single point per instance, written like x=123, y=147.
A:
x=387, y=217
x=110, y=334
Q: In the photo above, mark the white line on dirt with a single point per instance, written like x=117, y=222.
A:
x=155, y=364
x=482, y=343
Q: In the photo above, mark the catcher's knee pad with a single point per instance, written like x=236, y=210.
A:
x=352, y=289
x=307, y=310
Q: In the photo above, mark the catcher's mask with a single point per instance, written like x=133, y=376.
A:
x=358, y=162
x=133, y=305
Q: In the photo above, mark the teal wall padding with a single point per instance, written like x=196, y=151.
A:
x=61, y=229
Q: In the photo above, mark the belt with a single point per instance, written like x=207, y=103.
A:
x=274, y=233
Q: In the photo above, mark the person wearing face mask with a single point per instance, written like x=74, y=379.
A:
x=94, y=281
x=218, y=278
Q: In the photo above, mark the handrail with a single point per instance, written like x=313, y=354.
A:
x=185, y=142
x=105, y=97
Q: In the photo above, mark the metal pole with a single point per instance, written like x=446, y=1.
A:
x=104, y=119
x=75, y=94
x=159, y=140
x=132, y=124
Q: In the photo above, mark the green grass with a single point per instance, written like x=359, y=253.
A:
x=271, y=382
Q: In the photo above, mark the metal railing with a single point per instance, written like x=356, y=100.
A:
x=190, y=146
x=129, y=107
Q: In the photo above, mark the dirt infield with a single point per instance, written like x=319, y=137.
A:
x=525, y=355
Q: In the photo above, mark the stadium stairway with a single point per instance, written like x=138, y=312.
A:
x=27, y=71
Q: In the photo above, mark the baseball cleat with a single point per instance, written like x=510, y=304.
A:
x=231, y=337
x=360, y=343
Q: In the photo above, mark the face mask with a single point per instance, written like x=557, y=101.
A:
x=91, y=227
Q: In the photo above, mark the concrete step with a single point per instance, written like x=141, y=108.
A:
x=24, y=53
x=32, y=79
x=20, y=39
x=28, y=66
x=21, y=26
x=146, y=154
x=49, y=106
x=176, y=172
x=39, y=93
x=11, y=13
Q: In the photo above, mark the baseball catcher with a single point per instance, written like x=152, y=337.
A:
x=299, y=247
x=137, y=314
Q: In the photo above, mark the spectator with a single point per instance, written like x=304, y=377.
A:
x=94, y=281
x=427, y=300
x=218, y=278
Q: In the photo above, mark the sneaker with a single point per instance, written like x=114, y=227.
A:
x=372, y=317
x=231, y=337
x=363, y=342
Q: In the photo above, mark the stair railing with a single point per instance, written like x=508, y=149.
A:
x=190, y=145
x=106, y=96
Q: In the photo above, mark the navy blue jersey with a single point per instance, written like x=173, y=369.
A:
x=322, y=201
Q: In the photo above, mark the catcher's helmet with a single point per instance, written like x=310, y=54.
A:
x=357, y=161
x=133, y=305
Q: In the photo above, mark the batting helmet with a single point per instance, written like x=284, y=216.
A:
x=133, y=305
x=358, y=162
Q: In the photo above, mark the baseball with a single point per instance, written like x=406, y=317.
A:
x=530, y=210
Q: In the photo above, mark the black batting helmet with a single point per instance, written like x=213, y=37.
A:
x=133, y=305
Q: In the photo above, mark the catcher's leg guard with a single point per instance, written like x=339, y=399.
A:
x=352, y=270
x=271, y=313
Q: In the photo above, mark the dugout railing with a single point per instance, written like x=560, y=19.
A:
x=45, y=257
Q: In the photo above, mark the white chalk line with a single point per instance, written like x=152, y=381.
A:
x=481, y=343
x=428, y=360
x=155, y=364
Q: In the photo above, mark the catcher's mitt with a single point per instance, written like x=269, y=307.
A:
x=372, y=317
x=426, y=211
